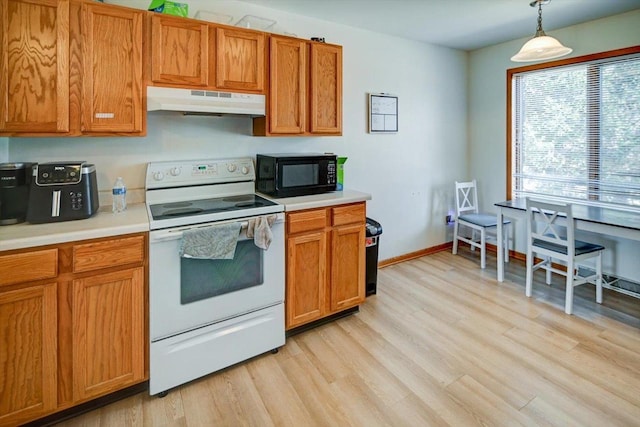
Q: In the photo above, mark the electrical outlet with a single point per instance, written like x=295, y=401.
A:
x=447, y=219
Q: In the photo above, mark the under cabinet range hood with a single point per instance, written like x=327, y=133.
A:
x=201, y=101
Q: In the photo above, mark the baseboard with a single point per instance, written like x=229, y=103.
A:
x=91, y=405
x=512, y=254
x=414, y=255
x=439, y=248
x=319, y=322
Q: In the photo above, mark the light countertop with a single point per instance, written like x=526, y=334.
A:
x=135, y=220
x=103, y=224
x=320, y=200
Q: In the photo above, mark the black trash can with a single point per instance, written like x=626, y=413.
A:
x=374, y=230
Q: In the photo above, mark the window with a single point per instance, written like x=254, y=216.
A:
x=574, y=130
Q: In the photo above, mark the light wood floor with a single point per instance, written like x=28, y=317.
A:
x=442, y=343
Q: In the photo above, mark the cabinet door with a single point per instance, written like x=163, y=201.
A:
x=325, y=89
x=240, y=60
x=306, y=278
x=179, y=51
x=28, y=353
x=108, y=332
x=34, y=66
x=112, y=70
x=347, y=266
x=287, y=85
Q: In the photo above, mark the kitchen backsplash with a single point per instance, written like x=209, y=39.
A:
x=4, y=150
x=170, y=136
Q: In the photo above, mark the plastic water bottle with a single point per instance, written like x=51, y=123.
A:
x=119, y=193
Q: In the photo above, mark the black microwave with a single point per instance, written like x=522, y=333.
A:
x=295, y=174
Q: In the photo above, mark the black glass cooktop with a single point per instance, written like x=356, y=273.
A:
x=208, y=206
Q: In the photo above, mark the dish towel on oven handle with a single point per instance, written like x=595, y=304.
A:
x=212, y=242
x=260, y=229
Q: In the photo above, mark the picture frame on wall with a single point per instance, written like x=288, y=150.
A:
x=383, y=113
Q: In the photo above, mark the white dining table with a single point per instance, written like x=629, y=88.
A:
x=595, y=219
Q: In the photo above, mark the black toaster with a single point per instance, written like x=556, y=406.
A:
x=62, y=191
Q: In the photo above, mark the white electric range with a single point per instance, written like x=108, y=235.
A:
x=207, y=314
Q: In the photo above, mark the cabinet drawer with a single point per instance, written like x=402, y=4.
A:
x=350, y=214
x=306, y=220
x=28, y=266
x=108, y=253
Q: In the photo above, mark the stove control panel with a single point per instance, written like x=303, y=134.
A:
x=199, y=172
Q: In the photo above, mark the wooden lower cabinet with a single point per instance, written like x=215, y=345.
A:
x=306, y=277
x=325, y=262
x=72, y=324
x=28, y=352
x=347, y=266
x=108, y=332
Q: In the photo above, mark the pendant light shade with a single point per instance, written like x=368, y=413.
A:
x=541, y=46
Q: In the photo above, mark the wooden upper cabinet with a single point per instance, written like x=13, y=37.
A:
x=287, y=85
x=112, y=69
x=34, y=62
x=240, y=59
x=325, y=89
x=305, y=89
x=28, y=353
x=179, y=51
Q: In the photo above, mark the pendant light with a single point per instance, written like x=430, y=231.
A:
x=541, y=46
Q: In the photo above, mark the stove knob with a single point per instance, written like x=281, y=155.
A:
x=231, y=167
x=245, y=170
x=176, y=171
x=158, y=176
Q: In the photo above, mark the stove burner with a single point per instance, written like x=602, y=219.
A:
x=183, y=212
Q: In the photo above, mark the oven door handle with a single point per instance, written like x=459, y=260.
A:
x=167, y=235
x=175, y=234
x=164, y=236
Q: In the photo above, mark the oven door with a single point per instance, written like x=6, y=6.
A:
x=187, y=293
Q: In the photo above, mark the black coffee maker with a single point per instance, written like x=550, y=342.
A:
x=15, y=180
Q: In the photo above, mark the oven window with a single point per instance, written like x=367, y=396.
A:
x=296, y=175
x=206, y=278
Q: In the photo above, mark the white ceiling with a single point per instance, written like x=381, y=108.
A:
x=460, y=24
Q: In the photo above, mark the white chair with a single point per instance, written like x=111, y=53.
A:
x=551, y=240
x=467, y=215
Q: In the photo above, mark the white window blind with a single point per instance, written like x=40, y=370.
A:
x=576, y=132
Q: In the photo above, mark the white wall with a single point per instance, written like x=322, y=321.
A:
x=488, y=120
x=409, y=174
